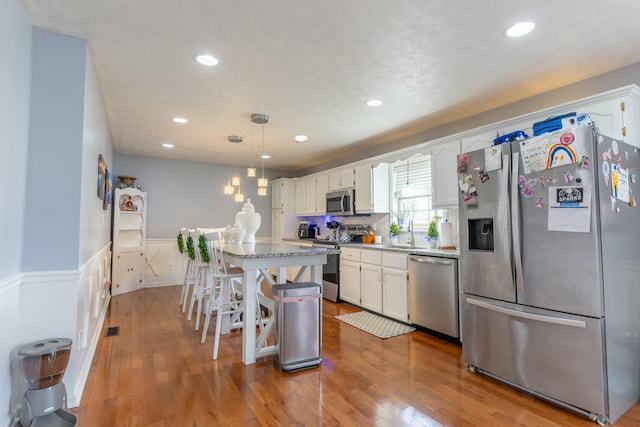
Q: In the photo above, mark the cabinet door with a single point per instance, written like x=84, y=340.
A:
x=364, y=189
x=129, y=272
x=350, y=282
x=276, y=194
x=322, y=188
x=301, y=198
x=310, y=196
x=371, y=287
x=276, y=225
x=347, y=178
x=394, y=288
x=476, y=142
x=444, y=163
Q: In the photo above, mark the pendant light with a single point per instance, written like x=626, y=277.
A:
x=251, y=171
x=235, y=179
x=263, y=182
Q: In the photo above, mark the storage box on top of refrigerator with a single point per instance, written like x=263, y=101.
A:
x=549, y=261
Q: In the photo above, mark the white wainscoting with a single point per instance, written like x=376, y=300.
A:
x=164, y=264
x=53, y=304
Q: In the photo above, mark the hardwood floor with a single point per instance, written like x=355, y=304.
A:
x=156, y=373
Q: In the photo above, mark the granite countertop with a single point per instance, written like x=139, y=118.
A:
x=417, y=250
x=274, y=250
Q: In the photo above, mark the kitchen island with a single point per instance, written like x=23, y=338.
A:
x=257, y=259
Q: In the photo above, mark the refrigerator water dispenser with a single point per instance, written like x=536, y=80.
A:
x=481, y=234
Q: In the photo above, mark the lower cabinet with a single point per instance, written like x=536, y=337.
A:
x=350, y=282
x=128, y=272
x=376, y=281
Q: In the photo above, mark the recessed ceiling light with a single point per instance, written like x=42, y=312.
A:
x=265, y=156
x=301, y=138
x=520, y=29
x=180, y=120
x=374, y=103
x=165, y=145
x=207, y=60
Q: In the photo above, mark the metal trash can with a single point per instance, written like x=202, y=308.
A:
x=298, y=329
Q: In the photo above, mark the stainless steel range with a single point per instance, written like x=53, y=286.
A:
x=330, y=272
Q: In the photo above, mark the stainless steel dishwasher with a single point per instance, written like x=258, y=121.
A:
x=433, y=294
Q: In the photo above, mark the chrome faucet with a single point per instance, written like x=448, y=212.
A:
x=412, y=236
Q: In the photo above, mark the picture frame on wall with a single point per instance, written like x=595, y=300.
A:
x=108, y=190
x=102, y=177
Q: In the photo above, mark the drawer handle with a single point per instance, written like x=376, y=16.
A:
x=531, y=316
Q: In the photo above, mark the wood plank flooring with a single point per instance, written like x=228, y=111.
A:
x=156, y=373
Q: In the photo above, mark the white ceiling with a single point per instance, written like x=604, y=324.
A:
x=312, y=64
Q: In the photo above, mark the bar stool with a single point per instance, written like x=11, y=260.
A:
x=188, y=253
x=201, y=287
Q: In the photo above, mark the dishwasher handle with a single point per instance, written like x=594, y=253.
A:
x=437, y=261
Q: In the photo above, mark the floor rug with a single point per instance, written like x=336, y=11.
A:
x=375, y=325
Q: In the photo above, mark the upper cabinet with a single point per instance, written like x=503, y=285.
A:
x=283, y=194
x=372, y=188
x=444, y=162
x=322, y=188
x=342, y=178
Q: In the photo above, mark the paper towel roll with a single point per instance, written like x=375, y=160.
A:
x=445, y=239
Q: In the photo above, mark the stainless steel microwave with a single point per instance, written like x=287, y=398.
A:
x=341, y=202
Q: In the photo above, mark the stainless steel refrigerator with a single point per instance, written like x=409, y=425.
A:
x=550, y=268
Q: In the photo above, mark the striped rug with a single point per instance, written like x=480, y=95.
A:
x=375, y=325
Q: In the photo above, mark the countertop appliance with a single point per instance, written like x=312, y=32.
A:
x=549, y=244
x=341, y=202
x=356, y=232
x=330, y=272
x=433, y=294
x=307, y=230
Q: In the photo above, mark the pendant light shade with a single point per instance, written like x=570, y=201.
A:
x=251, y=172
x=263, y=182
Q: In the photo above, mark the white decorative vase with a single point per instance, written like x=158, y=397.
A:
x=250, y=221
x=237, y=233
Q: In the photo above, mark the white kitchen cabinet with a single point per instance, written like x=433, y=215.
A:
x=310, y=196
x=372, y=188
x=371, y=280
x=350, y=281
x=301, y=198
x=477, y=141
x=129, y=239
x=283, y=214
x=341, y=179
x=322, y=188
x=395, y=286
x=444, y=176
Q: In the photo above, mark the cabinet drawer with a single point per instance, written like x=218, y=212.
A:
x=371, y=257
x=350, y=254
x=394, y=260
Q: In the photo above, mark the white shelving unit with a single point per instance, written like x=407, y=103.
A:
x=129, y=240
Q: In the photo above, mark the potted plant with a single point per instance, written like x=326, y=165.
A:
x=394, y=230
x=432, y=232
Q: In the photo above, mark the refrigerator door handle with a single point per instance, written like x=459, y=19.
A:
x=530, y=316
x=515, y=221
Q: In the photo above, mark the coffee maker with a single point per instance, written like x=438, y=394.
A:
x=307, y=230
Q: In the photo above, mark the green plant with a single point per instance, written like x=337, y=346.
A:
x=180, y=243
x=204, y=249
x=394, y=229
x=191, y=252
x=432, y=231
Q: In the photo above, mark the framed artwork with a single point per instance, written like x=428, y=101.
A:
x=102, y=177
x=108, y=190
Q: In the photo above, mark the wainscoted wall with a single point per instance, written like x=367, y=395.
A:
x=56, y=304
x=165, y=265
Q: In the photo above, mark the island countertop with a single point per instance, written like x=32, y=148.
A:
x=274, y=250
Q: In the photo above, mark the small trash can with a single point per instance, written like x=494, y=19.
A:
x=297, y=312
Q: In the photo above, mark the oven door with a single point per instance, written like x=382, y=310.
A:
x=330, y=274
